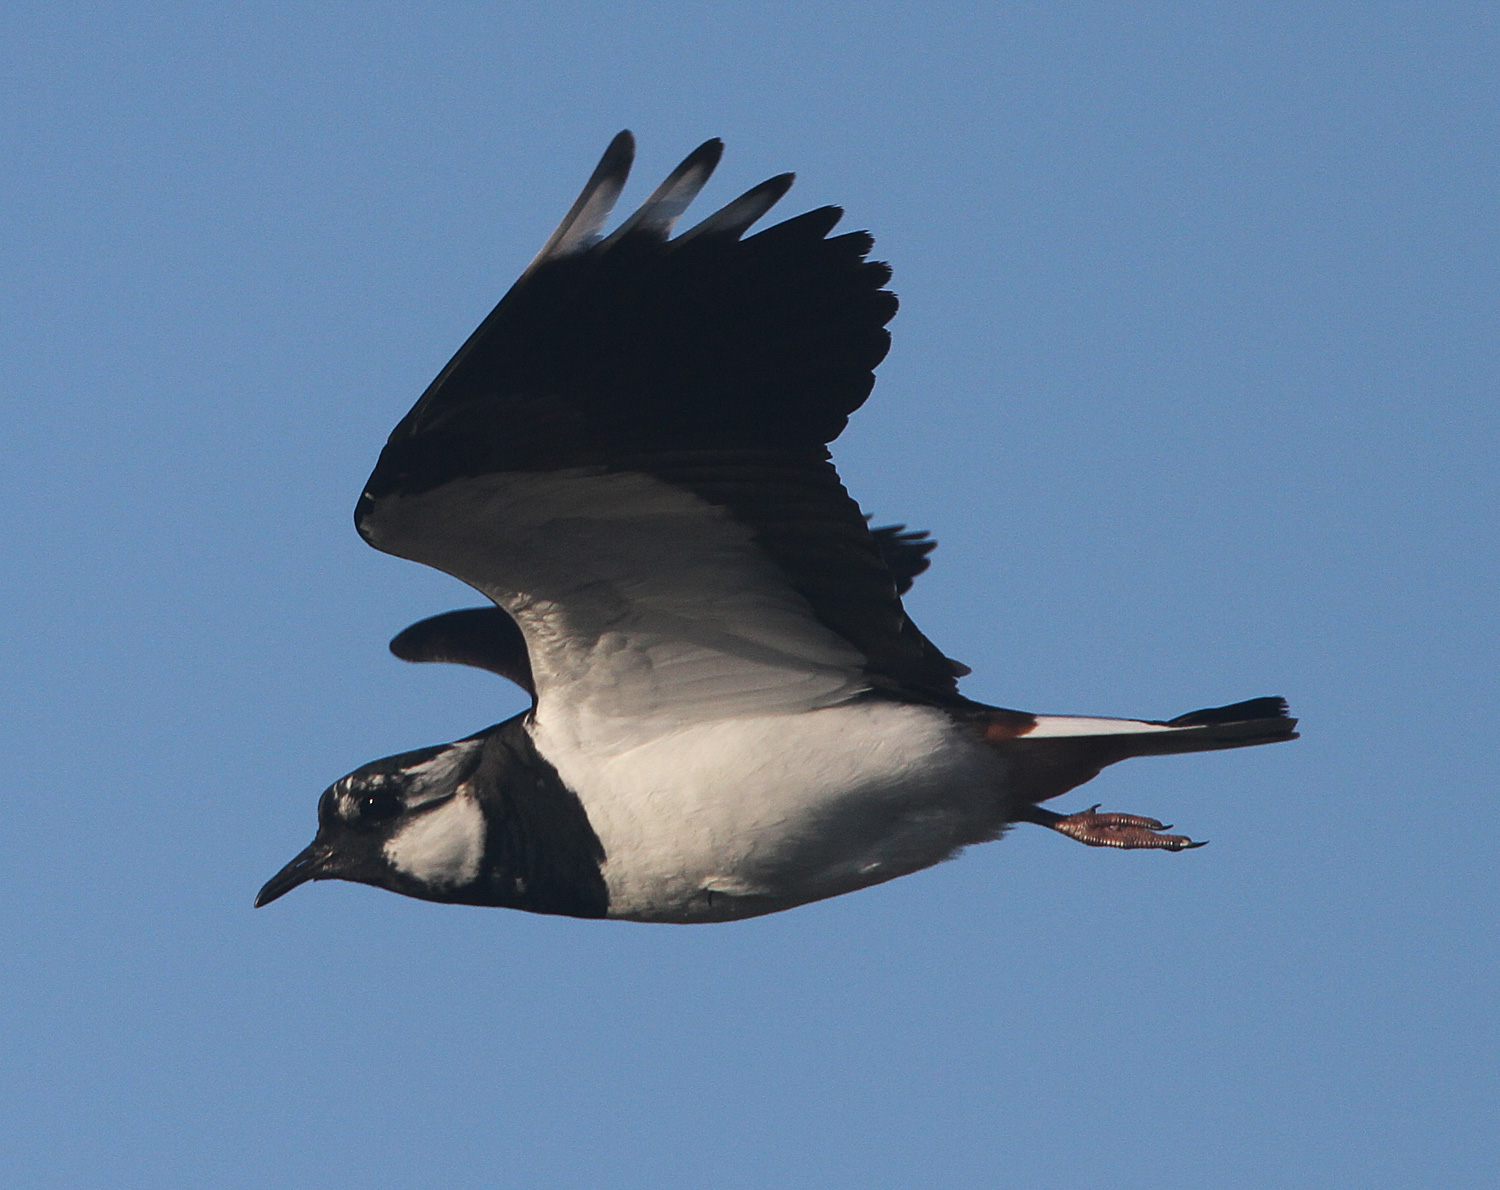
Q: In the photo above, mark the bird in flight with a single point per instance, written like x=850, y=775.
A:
x=731, y=712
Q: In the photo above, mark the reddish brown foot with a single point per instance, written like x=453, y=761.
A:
x=1126, y=831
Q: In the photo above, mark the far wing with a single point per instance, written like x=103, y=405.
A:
x=484, y=637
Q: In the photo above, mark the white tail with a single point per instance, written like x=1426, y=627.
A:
x=1240, y=725
x=1055, y=753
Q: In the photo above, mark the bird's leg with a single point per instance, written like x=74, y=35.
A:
x=1126, y=831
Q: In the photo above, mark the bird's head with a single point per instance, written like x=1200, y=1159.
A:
x=411, y=823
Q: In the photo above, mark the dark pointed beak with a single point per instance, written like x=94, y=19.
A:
x=312, y=864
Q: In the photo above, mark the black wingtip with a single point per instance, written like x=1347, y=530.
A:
x=812, y=225
x=710, y=150
x=704, y=158
x=618, y=157
x=736, y=218
x=622, y=146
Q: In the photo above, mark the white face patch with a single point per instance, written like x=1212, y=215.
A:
x=441, y=847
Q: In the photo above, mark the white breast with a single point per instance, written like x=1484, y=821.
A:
x=745, y=816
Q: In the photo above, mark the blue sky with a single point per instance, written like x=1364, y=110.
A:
x=1194, y=380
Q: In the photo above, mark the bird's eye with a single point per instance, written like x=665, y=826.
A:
x=378, y=804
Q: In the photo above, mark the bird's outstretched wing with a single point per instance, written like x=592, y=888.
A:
x=629, y=456
x=487, y=638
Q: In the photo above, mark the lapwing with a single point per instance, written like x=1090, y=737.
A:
x=731, y=712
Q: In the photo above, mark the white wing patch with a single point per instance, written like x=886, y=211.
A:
x=645, y=609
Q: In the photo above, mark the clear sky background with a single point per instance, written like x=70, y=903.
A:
x=1194, y=379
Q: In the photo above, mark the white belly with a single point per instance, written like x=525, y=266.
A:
x=746, y=816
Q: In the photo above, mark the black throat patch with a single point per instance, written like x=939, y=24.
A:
x=541, y=852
